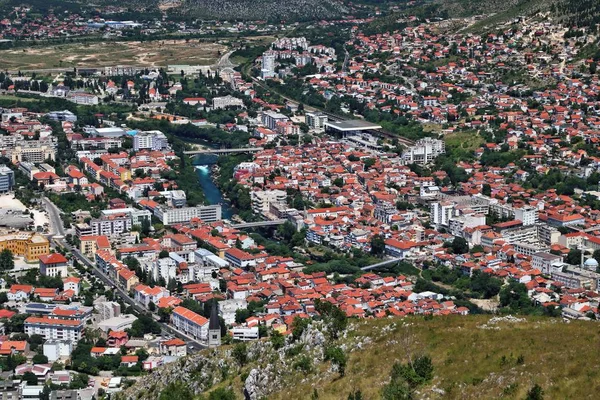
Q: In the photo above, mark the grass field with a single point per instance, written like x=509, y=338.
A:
x=151, y=53
x=472, y=358
x=463, y=143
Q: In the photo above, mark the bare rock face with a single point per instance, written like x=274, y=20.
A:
x=258, y=383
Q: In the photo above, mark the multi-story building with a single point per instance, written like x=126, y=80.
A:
x=35, y=151
x=262, y=199
x=82, y=98
x=190, y=323
x=227, y=101
x=53, y=265
x=170, y=216
x=111, y=225
x=146, y=294
x=55, y=329
x=239, y=258
x=316, y=121
x=271, y=118
x=26, y=244
x=150, y=140
x=544, y=261
x=137, y=216
x=268, y=65
x=107, y=310
x=441, y=212
x=424, y=151
x=7, y=179
x=60, y=116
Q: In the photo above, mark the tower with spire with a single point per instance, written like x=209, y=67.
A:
x=214, y=327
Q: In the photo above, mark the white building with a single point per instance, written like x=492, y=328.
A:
x=441, y=212
x=268, y=65
x=170, y=216
x=150, y=140
x=227, y=101
x=544, y=261
x=271, y=118
x=244, y=333
x=424, y=151
x=58, y=329
x=111, y=225
x=190, y=323
x=262, y=199
x=57, y=349
x=316, y=121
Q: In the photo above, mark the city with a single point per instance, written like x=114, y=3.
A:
x=273, y=201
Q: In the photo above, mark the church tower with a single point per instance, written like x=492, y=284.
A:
x=214, y=327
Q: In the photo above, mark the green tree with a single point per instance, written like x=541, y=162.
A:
x=176, y=390
x=460, y=245
x=240, y=353
x=39, y=359
x=377, y=245
x=535, y=393
x=337, y=357
x=30, y=378
x=7, y=261
x=277, y=340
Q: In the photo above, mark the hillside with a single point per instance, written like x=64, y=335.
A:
x=274, y=10
x=473, y=357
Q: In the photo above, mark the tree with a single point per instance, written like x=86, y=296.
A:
x=163, y=254
x=176, y=390
x=277, y=340
x=460, y=245
x=240, y=353
x=535, y=393
x=39, y=359
x=7, y=261
x=574, y=257
x=30, y=378
x=337, y=357
x=377, y=245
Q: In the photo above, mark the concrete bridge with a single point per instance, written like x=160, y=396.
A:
x=224, y=151
x=259, y=224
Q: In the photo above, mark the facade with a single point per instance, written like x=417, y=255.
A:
x=268, y=66
x=151, y=140
x=57, y=349
x=544, y=261
x=7, y=179
x=239, y=258
x=111, y=225
x=54, y=329
x=53, y=265
x=170, y=216
x=262, y=200
x=271, y=118
x=190, y=323
x=227, y=101
x=82, y=98
x=26, y=244
x=424, y=151
x=316, y=121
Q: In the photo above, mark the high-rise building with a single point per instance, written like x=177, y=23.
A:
x=7, y=179
x=268, y=66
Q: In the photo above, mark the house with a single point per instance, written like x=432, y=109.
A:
x=117, y=338
x=173, y=347
x=45, y=294
x=72, y=283
x=19, y=292
x=129, y=361
x=53, y=265
x=146, y=294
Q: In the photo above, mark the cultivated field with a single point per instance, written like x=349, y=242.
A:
x=151, y=53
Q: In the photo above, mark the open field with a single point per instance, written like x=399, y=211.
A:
x=463, y=142
x=151, y=53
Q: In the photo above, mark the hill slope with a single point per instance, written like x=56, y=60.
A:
x=473, y=357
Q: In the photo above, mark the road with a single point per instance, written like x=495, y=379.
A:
x=57, y=227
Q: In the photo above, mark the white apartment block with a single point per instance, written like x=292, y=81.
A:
x=191, y=323
x=170, y=216
x=262, y=200
x=227, y=101
x=54, y=329
x=424, y=151
x=441, y=212
x=271, y=118
x=150, y=140
x=316, y=121
x=111, y=225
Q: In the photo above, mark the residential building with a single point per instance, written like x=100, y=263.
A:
x=262, y=200
x=316, y=121
x=51, y=328
x=53, y=265
x=170, y=216
x=190, y=323
x=7, y=179
x=227, y=101
x=424, y=151
x=544, y=261
x=150, y=140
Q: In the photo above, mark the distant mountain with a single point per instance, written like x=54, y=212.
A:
x=273, y=10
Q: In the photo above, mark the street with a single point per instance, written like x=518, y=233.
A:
x=57, y=227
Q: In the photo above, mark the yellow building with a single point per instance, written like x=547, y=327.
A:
x=25, y=244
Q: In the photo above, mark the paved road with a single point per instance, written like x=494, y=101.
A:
x=57, y=227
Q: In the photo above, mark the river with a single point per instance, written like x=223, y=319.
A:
x=212, y=193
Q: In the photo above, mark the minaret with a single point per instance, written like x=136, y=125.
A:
x=214, y=327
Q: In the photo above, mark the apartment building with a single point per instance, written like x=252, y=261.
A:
x=424, y=151
x=262, y=200
x=190, y=323
x=53, y=265
x=7, y=179
x=111, y=225
x=316, y=121
x=227, y=101
x=54, y=329
x=271, y=118
x=170, y=216
x=150, y=140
